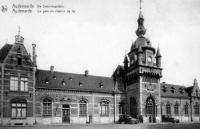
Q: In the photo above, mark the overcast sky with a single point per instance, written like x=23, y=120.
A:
x=97, y=35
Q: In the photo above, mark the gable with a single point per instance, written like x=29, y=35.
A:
x=18, y=52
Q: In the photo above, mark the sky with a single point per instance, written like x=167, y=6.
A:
x=98, y=34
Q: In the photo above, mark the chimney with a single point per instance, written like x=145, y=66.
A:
x=34, y=54
x=52, y=69
x=86, y=73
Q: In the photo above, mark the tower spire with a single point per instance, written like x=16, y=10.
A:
x=141, y=30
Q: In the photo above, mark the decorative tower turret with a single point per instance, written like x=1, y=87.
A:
x=158, y=58
x=18, y=38
x=125, y=62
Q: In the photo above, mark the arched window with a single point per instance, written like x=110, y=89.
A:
x=47, y=107
x=83, y=108
x=168, y=109
x=196, y=109
x=186, y=109
x=150, y=107
x=104, y=108
x=176, y=112
x=18, y=108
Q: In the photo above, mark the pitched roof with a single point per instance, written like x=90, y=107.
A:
x=70, y=81
x=4, y=51
x=175, y=91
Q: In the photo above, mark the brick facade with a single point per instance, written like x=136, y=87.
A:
x=33, y=96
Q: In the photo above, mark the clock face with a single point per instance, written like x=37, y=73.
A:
x=149, y=59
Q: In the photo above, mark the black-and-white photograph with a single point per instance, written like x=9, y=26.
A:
x=87, y=64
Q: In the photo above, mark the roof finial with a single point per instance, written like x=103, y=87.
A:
x=141, y=30
x=140, y=5
x=18, y=30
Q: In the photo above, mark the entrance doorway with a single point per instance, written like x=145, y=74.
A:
x=150, y=109
x=66, y=113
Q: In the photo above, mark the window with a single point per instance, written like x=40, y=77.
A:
x=100, y=85
x=80, y=84
x=19, y=60
x=186, y=109
x=104, y=108
x=172, y=89
x=197, y=92
x=14, y=83
x=18, y=108
x=181, y=90
x=63, y=82
x=168, y=109
x=164, y=88
x=121, y=108
x=176, y=109
x=47, y=107
x=149, y=107
x=24, y=84
x=83, y=108
x=196, y=109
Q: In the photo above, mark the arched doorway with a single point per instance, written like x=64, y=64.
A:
x=133, y=107
x=150, y=109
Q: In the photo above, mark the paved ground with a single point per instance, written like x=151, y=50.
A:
x=110, y=126
x=92, y=126
x=175, y=126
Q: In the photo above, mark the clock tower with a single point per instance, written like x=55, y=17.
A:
x=142, y=73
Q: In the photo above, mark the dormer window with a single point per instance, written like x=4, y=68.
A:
x=100, y=85
x=164, y=89
x=172, y=89
x=181, y=90
x=80, y=84
x=54, y=77
x=63, y=82
x=46, y=81
x=70, y=78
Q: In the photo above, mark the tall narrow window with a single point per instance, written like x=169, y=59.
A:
x=121, y=108
x=196, y=109
x=104, y=108
x=19, y=56
x=19, y=60
x=168, y=109
x=176, y=109
x=47, y=107
x=83, y=108
x=18, y=108
x=24, y=84
x=14, y=83
x=186, y=109
x=149, y=107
